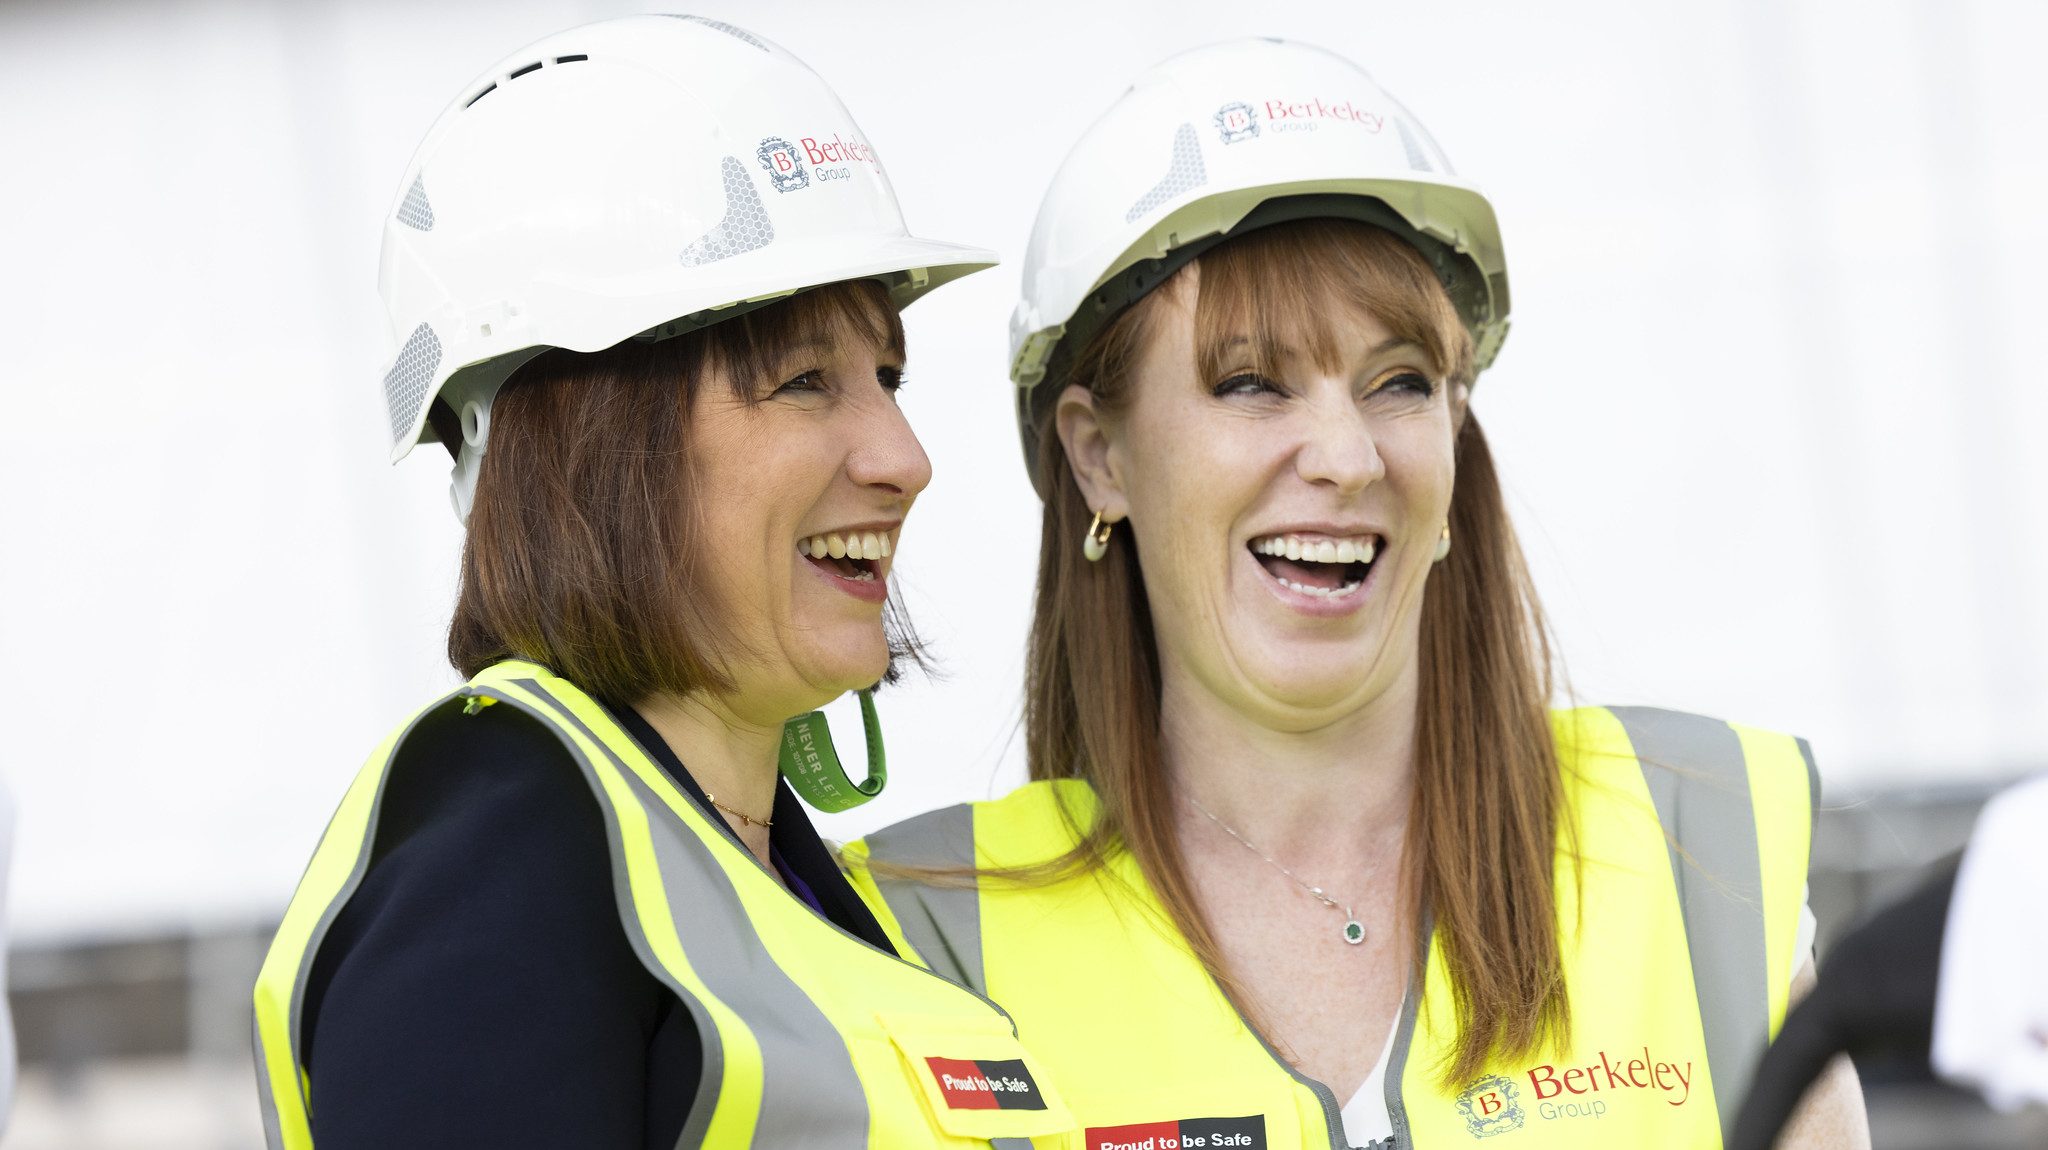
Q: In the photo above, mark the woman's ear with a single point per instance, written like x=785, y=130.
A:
x=1091, y=453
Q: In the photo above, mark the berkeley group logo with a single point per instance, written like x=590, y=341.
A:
x=780, y=160
x=1491, y=1106
x=1236, y=121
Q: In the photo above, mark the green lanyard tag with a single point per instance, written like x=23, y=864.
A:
x=812, y=767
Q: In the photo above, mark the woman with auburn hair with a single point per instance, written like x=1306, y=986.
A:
x=1307, y=860
x=570, y=904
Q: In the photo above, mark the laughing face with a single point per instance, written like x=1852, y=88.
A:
x=808, y=481
x=1285, y=519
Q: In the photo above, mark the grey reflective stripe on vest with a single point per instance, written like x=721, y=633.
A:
x=1396, y=1069
x=273, y=1129
x=1699, y=780
x=1812, y=789
x=805, y=1068
x=943, y=924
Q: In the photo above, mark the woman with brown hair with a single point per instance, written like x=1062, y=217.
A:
x=1307, y=859
x=570, y=903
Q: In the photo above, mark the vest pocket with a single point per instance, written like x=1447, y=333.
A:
x=975, y=1078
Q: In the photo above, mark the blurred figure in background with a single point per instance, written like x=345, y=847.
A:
x=1308, y=861
x=1953, y=974
x=7, y=1064
x=646, y=276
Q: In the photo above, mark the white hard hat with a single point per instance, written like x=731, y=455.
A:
x=643, y=176
x=1219, y=141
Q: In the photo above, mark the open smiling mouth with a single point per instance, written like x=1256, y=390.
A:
x=1320, y=565
x=855, y=556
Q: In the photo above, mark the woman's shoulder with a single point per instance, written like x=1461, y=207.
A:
x=1695, y=774
x=1593, y=740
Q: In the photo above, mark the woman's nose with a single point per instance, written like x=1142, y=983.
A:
x=887, y=455
x=1338, y=448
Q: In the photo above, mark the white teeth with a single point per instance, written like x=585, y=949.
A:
x=1325, y=592
x=1318, y=549
x=853, y=545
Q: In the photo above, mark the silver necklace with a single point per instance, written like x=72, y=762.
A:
x=1354, y=930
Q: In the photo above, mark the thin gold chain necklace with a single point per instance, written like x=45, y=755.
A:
x=1353, y=930
x=742, y=816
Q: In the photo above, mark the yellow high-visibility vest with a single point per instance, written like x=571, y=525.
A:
x=1677, y=931
x=812, y=1038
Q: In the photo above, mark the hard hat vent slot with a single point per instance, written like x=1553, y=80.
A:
x=415, y=212
x=488, y=89
x=1184, y=172
x=745, y=226
x=569, y=59
x=405, y=385
x=518, y=72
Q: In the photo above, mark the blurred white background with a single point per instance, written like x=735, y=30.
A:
x=1767, y=415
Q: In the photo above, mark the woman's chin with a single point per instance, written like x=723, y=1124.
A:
x=858, y=663
x=1310, y=691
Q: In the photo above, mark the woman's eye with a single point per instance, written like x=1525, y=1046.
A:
x=812, y=380
x=1247, y=383
x=892, y=379
x=1408, y=382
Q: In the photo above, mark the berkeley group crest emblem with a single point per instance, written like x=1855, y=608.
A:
x=784, y=165
x=1491, y=1106
x=1236, y=121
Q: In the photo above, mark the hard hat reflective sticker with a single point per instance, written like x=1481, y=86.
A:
x=1417, y=158
x=1236, y=121
x=1247, y=1133
x=743, y=228
x=736, y=33
x=985, y=1084
x=416, y=212
x=785, y=167
x=405, y=385
x=1184, y=172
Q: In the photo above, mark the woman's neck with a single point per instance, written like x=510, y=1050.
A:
x=1347, y=782
x=731, y=758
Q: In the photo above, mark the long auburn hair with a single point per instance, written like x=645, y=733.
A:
x=1488, y=803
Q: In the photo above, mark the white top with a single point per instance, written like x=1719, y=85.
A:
x=1991, y=1003
x=1365, y=1116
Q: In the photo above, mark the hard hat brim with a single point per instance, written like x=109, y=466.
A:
x=479, y=357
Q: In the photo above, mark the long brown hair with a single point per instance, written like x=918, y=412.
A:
x=582, y=550
x=1488, y=796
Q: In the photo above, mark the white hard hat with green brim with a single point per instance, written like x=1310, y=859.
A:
x=638, y=177
x=1215, y=143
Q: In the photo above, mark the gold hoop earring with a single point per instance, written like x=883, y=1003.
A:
x=1096, y=543
x=1443, y=545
